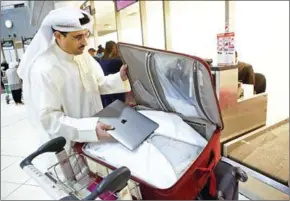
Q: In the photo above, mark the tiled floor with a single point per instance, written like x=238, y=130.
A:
x=18, y=139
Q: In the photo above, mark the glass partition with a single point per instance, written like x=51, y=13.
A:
x=262, y=40
x=154, y=25
x=194, y=26
x=106, y=22
x=130, y=25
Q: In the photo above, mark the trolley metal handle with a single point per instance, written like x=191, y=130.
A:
x=55, y=145
x=115, y=181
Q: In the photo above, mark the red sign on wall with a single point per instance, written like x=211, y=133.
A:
x=226, y=48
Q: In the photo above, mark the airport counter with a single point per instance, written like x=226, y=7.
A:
x=240, y=115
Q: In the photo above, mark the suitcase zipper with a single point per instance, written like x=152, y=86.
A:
x=196, y=84
x=148, y=70
x=194, y=122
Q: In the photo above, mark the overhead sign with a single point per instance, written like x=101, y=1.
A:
x=26, y=40
x=7, y=43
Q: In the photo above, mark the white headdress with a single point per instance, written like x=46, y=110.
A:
x=64, y=19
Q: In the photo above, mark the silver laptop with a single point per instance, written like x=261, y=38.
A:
x=131, y=128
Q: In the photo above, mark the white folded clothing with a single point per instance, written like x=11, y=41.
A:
x=160, y=160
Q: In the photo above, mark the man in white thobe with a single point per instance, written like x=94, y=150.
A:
x=62, y=83
x=14, y=82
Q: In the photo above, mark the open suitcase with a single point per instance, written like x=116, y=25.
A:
x=83, y=177
x=180, y=84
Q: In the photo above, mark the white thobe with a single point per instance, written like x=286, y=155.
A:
x=13, y=79
x=64, y=105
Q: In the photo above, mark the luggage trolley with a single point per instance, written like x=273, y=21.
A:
x=202, y=173
x=71, y=178
x=74, y=177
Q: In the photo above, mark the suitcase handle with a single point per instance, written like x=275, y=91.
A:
x=209, y=169
x=211, y=161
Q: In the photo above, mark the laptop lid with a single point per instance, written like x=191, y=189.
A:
x=131, y=127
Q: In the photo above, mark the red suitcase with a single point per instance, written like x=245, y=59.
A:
x=190, y=76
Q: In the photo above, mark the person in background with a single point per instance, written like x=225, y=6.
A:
x=2, y=75
x=97, y=55
x=111, y=51
x=100, y=52
x=111, y=63
x=5, y=65
x=14, y=82
x=246, y=75
x=92, y=52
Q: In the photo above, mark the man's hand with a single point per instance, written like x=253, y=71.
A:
x=103, y=135
x=123, y=72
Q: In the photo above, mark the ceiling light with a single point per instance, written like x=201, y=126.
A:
x=132, y=13
x=107, y=26
x=8, y=24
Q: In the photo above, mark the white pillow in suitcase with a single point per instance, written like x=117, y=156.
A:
x=160, y=160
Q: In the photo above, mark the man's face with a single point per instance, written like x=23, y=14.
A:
x=73, y=42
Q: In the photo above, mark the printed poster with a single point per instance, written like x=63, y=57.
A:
x=7, y=44
x=226, y=48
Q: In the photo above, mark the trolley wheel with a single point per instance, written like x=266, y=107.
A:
x=241, y=175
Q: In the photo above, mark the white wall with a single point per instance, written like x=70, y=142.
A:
x=76, y=4
x=194, y=26
x=155, y=24
x=262, y=37
x=131, y=35
x=130, y=25
x=91, y=43
x=103, y=39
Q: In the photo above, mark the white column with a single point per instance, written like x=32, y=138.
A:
x=95, y=41
x=232, y=16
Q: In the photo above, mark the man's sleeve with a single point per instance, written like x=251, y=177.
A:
x=110, y=84
x=46, y=100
